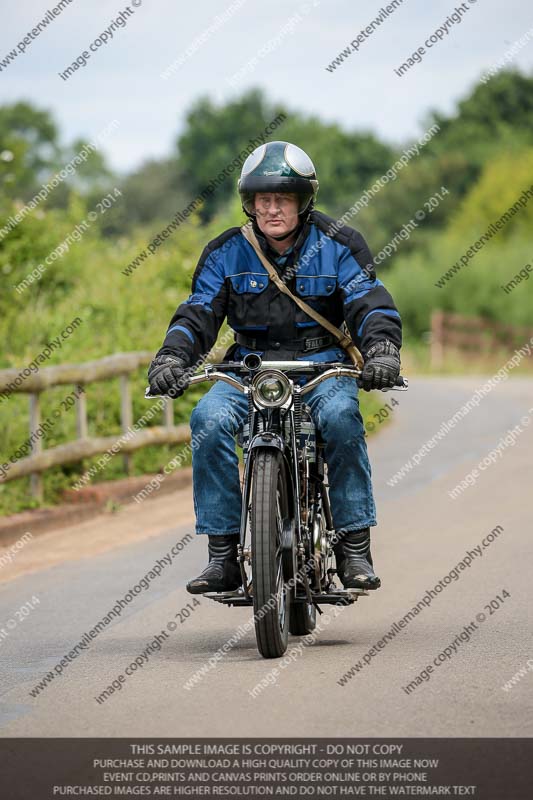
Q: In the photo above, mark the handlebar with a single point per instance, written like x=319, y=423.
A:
x=322, y=371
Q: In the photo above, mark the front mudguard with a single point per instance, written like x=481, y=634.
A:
x=267, y=439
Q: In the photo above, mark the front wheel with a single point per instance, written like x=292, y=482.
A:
x=269, y=510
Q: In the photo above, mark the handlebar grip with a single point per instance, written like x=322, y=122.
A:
x=401, y=384
x=148, y=395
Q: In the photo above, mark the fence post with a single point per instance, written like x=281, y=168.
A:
x=126, y=415
x=36, y=480
x=82, y=430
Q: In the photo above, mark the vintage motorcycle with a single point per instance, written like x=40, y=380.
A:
x=286, y=532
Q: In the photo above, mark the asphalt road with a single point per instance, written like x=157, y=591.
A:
x=77, y=574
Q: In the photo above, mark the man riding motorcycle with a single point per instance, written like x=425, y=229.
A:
x=331, y=268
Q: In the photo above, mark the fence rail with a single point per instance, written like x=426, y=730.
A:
x=472, y=336
x=120, y=365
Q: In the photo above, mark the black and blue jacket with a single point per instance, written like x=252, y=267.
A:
x=331, y=269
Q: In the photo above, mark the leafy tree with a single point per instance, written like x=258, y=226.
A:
x=501, y=106
x=28, y=148
x=494, y=118
x=154, y=192
x=499, y=187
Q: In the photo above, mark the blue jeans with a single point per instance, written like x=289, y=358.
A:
x=216, y=421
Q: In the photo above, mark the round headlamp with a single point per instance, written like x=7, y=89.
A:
x=271, y=388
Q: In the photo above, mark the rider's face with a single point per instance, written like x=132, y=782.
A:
x=277, y=213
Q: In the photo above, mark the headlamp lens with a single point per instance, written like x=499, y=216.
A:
x=271, y=390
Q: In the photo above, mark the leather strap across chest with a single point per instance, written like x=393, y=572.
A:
x=343, y=339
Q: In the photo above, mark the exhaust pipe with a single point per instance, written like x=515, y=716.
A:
x=252, y=362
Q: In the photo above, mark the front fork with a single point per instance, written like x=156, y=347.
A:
x=244, y=554
x=297, y=496
x=294, y=541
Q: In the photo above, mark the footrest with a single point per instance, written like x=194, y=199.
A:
x=236, y=598
x=340, y=597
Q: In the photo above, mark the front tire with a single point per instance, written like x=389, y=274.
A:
x=269, y=509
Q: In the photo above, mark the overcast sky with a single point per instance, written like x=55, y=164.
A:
x=292, y=42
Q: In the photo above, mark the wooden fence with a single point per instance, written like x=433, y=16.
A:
x=473, y=337
x=120, y=365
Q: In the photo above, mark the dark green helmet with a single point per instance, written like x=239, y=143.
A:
x=278, y=167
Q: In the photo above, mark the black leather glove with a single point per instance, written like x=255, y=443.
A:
x=167, y=375
x=382, y=366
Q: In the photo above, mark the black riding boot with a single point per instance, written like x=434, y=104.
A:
x=354, y=560
x=223, y=573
